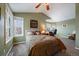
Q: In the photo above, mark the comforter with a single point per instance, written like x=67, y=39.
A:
x=47, y=47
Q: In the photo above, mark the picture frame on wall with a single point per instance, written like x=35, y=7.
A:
x=64, y=25
x=33, y=23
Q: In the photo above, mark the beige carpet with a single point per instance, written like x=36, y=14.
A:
x=22, y=49
x=70, y=45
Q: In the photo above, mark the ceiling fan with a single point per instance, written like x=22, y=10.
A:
x=45, y=4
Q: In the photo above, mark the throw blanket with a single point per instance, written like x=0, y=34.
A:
x=47, y=47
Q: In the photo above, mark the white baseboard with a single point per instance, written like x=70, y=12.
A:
x=9, y=50
x=77, y=48
x=19, y=42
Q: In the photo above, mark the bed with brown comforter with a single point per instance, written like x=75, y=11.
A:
x=47, y=47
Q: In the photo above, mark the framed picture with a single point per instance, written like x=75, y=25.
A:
x=33, y=24
x=64, y=25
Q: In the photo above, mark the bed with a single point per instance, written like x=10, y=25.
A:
x=47, y=46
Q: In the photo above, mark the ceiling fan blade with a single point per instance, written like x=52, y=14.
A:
x=47, y=7
x=38, y=5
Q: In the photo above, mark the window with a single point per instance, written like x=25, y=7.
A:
x=50, y=26
x=18, y=26
x=8, y=25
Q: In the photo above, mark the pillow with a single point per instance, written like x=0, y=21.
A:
x=29, y=33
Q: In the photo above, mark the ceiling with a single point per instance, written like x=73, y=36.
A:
x=25, y=7
x=58, y=11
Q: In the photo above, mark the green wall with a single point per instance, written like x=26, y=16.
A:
x=77, y=25
x=65, y=31
x=4, y=47
x=27, y=16
x=1, y=29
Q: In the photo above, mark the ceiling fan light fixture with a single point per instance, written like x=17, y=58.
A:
x=47, y=7
x=37, y=6
x=45, y=4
